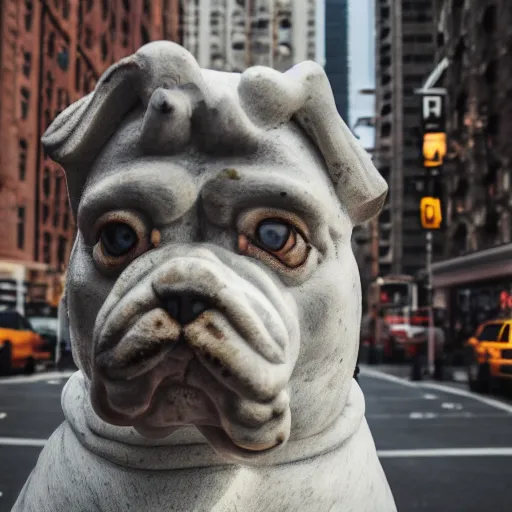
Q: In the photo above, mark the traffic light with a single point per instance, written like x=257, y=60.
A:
x=431, y=216
x=434, y=149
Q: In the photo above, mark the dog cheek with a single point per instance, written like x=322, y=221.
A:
x=86, y=291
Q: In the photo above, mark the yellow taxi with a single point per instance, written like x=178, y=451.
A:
x=491, y=354
x=20, y=346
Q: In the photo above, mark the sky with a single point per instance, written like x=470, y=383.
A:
x=361, y=62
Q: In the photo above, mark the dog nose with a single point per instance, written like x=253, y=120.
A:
x=185, y=308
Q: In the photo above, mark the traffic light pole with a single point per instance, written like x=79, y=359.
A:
x=431, y=348
x=430, y=299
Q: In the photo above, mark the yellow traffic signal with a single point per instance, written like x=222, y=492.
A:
x=434, y=149
x=431, y=216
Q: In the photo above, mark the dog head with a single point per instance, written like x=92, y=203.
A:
x=212, y=281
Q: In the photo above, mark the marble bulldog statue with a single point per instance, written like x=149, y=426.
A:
x=213, y=298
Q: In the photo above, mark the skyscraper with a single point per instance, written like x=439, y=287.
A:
x=405, y=50
x=232, y=35
x=336, y=53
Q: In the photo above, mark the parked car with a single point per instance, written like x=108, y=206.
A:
x=20, y=346
x=47, y=327
x=490, y=355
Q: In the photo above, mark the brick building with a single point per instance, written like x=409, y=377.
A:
x=405, y=52
x=473, y=278
x=52, y=53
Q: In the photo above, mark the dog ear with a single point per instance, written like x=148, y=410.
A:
x=304, y=94
x=76, y=136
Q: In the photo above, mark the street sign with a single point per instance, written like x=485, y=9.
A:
x=431, y=216
x=433, y=113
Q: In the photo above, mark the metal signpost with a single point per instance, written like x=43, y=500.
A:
x=433, y=153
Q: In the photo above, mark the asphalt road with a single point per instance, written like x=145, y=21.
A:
x=443, y=449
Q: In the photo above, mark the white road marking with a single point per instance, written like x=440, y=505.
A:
x=429, y=396
x=423, y=415
x=20, y=441
x=438, y=387
x=53, y=381
x=491, y=402
x=3, y=415
x=1, y=494
x=36, y=378
x=444, y=416
x=446, y=452
x=451, y=407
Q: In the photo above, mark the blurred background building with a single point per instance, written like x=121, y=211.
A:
x=474, y=276
x=405, y=51
x=231, y=35
x=52, y=53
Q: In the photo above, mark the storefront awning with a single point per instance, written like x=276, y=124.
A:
x=492, y=263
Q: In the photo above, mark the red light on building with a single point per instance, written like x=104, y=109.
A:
x=384, y=297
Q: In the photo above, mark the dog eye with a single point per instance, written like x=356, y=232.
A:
x=275, y=242
x=273, y=235
x=118, y=239
x=121, y=237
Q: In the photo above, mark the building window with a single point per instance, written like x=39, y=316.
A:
x=147, y=7
x=65, y=220
x=28, y=15
x=66, y=8
x=25, y=98
x=27, y=63
x=57, y=201
x=62, y=98
x=144, y=35
x=126, y=4
x=104, y=9
x=46, y=213
x=22, y=164
x=46, y=182
x=385, y=130
x=51, y=45
x=418, y=38
x=89, y=5
x=80, y=20
x=63, y=59
x=21, y=227
x=113, y=27
x=126, y=33
x=61, y=251
x=47, y=118
x=88, y=37
x=489, y=19
x=104, y=47
x=78, y=73
x=47, y=245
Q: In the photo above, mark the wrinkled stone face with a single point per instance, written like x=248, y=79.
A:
x=212, y=281
x=194, y=282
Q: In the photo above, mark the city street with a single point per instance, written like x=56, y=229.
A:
x=443, y=448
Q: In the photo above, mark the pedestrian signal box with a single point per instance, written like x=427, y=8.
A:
x=431, y=216
x=434, y=149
